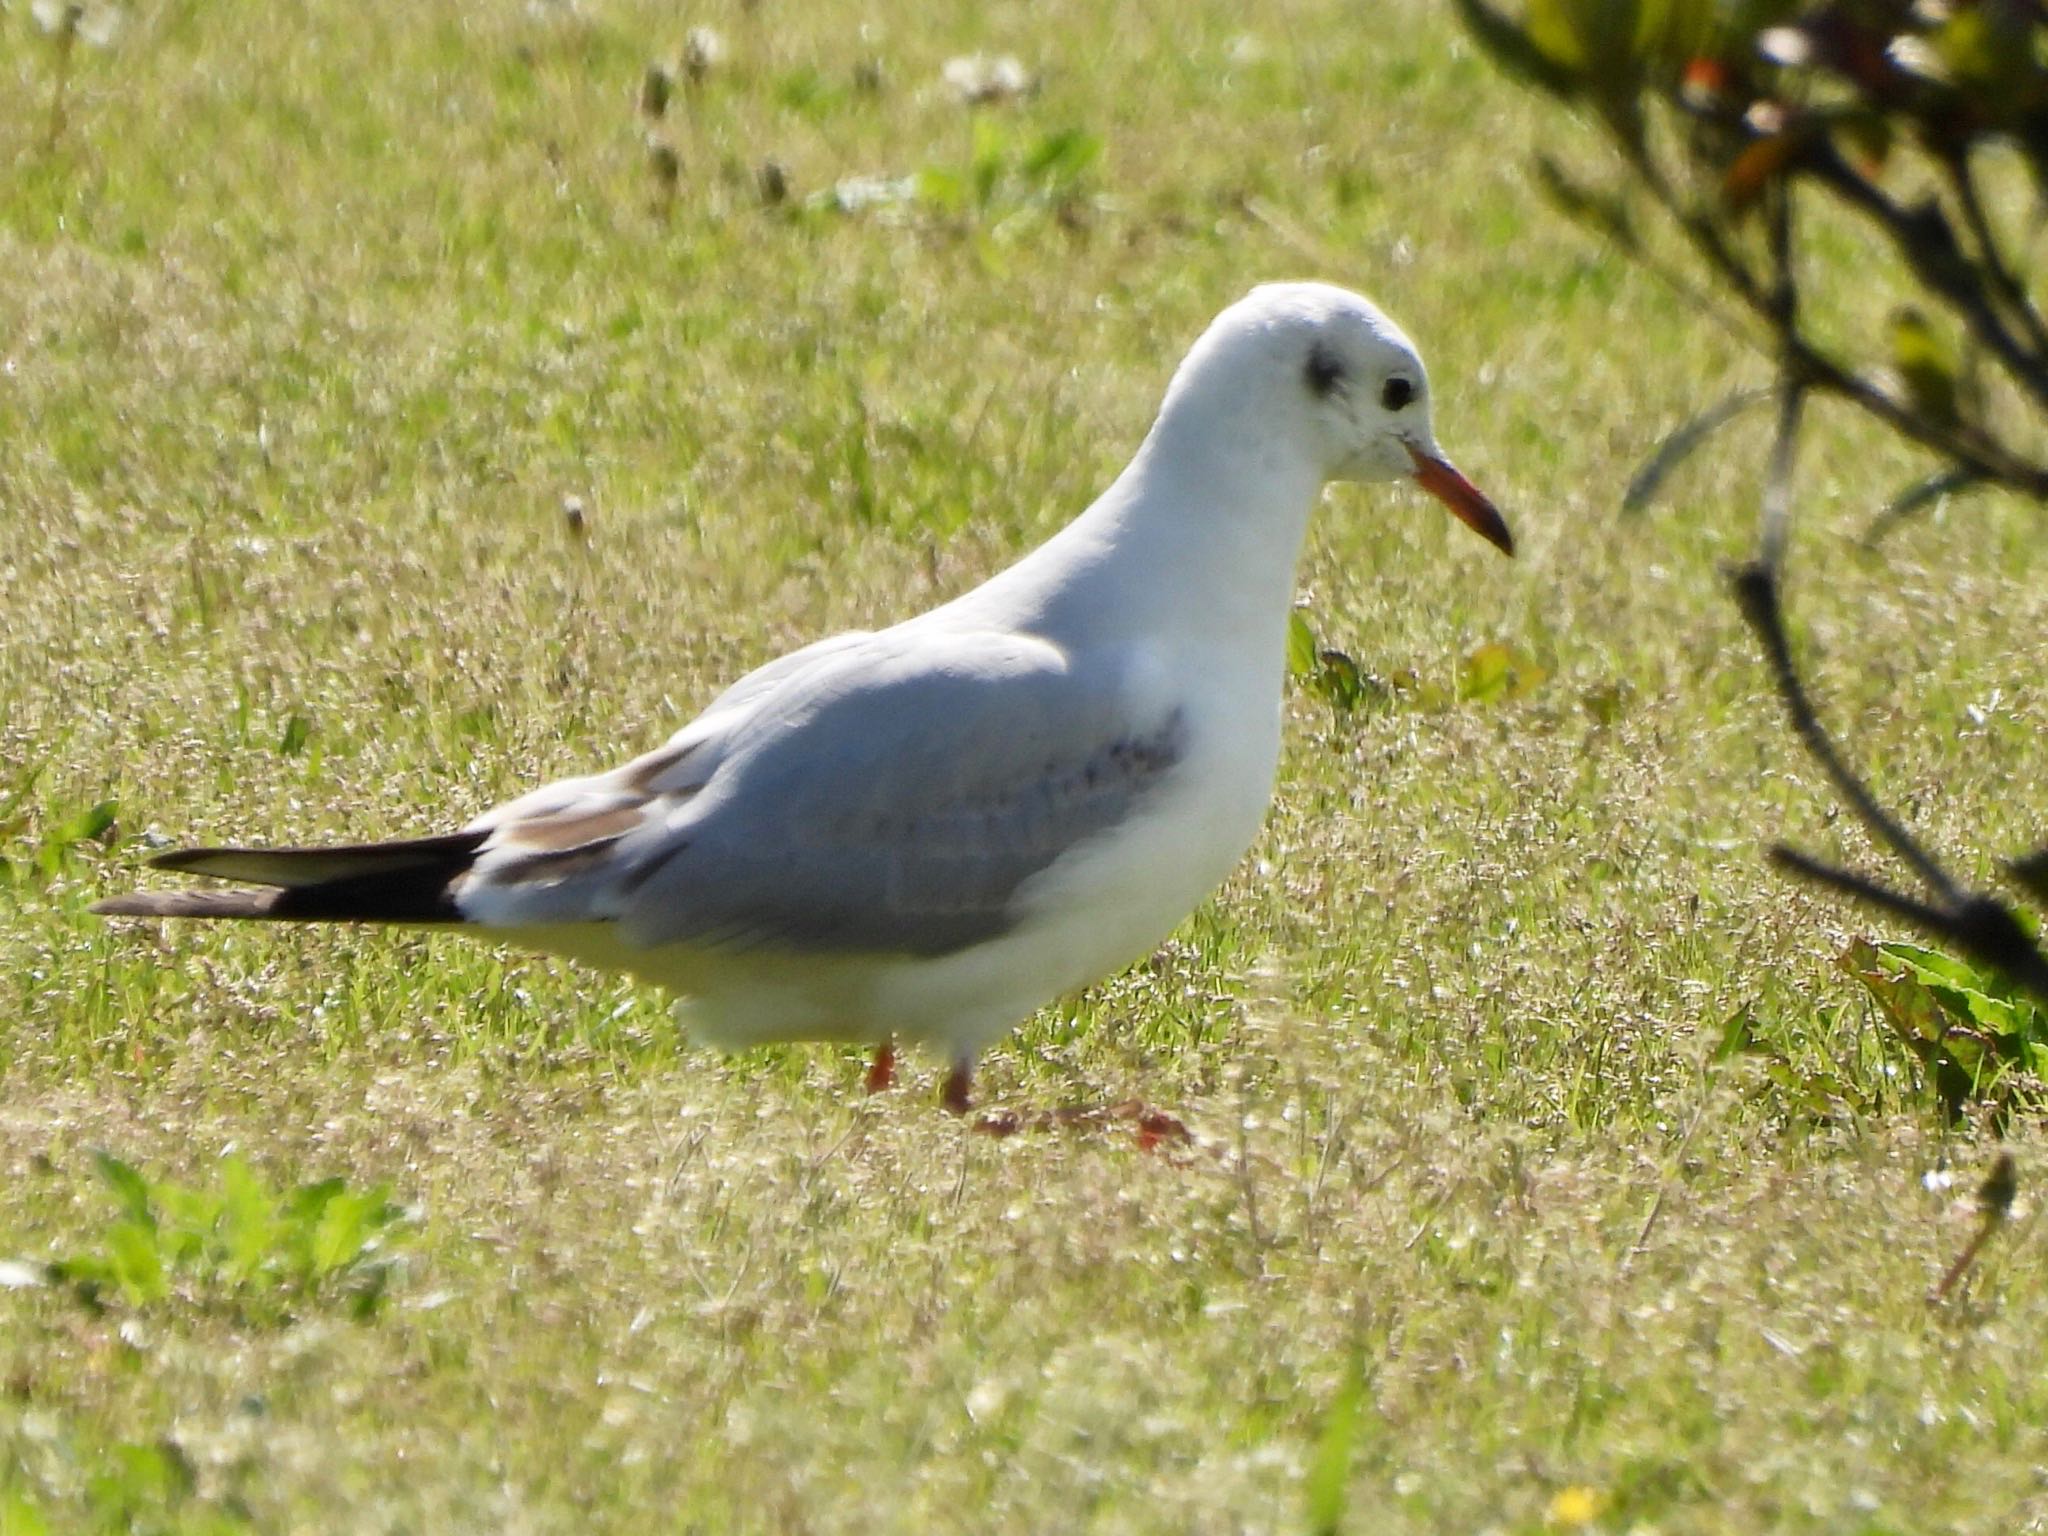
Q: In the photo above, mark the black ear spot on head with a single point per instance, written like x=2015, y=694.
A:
x=1324, y=373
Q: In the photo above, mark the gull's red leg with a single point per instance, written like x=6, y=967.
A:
x=954, y=1095
x=882, y=1070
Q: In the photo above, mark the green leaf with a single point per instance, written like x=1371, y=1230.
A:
x=1338, y=680
x=236, y=1243
x=1971, y=1033
x=1061, y=157
x=1925, y=366
x=347, y=1229
x=1670, y=34
x=245, y=1223
x=130, y=1188
x=1326, y=1489
x=988, y=161
x=1497, y=672
x=1967, y=993
x=1994, y=59
x=88, y=825
x=1554, y=28
x=135, y=1262
x=1605, y=702
x=1517, y=51
x=139, y=1481
x=296, y=730
x=19, y=1517
x=1301, y=646
x=1907, y=1006
x=1738, y=1035
x=942, y=188
x=309, y=1200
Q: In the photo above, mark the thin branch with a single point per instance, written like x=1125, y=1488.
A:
x=1921, y=493
x=1928, y=243
x=2017, y=299
x=1974, y=923
x=1784, y=301
x=1680, y=443
x=1756, y=591
x=1908, y=909
x=1994, y=1203
x=1964, y=446
x=1777, y=500
x=1977, y=925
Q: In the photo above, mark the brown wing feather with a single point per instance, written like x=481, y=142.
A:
x=189, y=904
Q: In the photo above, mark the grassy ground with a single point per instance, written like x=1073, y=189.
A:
x=309, y=322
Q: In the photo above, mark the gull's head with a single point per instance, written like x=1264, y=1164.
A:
x=1325, y=369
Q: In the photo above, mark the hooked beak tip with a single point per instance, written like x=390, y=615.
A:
x=1465, y=500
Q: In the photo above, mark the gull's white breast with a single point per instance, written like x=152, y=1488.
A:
x=1111, y=900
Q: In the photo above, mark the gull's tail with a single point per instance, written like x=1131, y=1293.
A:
x=402, y=882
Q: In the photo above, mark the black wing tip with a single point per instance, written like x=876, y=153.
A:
x=182, y=859
x=409, y=882
x=432, y=849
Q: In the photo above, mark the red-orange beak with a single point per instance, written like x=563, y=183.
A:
x=1464, y=499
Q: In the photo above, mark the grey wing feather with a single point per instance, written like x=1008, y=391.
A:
x=892, y=798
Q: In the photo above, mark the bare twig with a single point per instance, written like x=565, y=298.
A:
x=1975, y=923
x=1909, y=909
x=1921, y=493
x=1784, y=314
x=1756, y=147
x=1927, y=241
x=1681, y=441
x=1777, y=507
x=1994, y=1203
x=1756, y=591
x=2008, y=287
x=1963, y=445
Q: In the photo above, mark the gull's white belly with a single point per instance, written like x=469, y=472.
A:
x=1108, y=902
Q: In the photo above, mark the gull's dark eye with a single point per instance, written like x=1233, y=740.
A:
x=1324, y=374
x=1396, y=392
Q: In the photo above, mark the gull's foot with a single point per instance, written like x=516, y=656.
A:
x=1154, y=1127
x=882, y=1070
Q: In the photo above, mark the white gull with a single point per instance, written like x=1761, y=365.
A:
x=929, y=831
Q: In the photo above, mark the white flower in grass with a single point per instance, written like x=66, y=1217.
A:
x=703, y=51
x=97, y=23
x=857, y=194
x=978, y=78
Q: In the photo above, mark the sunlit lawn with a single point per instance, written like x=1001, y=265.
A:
x=314, y=319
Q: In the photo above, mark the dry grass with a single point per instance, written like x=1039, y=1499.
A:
x=308, y=325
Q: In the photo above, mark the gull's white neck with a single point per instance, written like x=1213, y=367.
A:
x=1195, y=542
